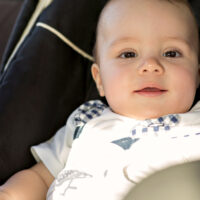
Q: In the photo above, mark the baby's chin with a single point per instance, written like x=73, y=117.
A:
x=150, y=114
x=151, y=111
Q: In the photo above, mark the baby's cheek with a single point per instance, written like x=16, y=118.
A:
x=185, y=78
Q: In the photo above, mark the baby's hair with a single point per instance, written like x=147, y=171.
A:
x=95, y=53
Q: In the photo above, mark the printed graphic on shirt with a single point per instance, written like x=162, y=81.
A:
x=70, y=176
x=125, y=143
x=67, y=179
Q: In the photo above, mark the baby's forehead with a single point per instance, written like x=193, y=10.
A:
x=118, y=9
x=119, y=5
x=115, y=12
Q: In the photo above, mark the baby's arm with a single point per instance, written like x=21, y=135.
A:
x=30, y=184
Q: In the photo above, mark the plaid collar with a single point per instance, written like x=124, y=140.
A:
x=162, y=123
x=88, y=111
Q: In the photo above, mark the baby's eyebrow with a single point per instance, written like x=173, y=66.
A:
x=178, y=39
x=129, y=39
x=118, y=41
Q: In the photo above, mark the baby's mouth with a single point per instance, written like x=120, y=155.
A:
x=150, y=91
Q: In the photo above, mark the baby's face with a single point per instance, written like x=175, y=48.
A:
x=148, y=58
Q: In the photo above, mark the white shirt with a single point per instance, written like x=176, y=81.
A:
x=111, y=153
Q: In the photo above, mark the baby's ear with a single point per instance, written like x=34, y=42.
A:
x=97, y=78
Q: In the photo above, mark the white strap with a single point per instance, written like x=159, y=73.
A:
x=65, y=40
x=42, y=4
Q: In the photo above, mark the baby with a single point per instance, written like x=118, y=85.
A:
x=146, y=65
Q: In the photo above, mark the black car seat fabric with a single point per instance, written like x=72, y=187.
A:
x=45, y=79
x=9, y=11
x=43, y=76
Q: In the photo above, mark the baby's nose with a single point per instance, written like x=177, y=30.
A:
x=151, y=65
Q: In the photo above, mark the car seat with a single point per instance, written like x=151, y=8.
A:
x=45, y=75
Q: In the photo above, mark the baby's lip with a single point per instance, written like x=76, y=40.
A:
x=150, y=91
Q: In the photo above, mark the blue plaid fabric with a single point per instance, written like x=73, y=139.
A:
x=144, y=127
x=88, y=111
x=85, y=113
x=155, y=125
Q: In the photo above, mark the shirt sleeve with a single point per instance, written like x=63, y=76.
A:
x=54, y=152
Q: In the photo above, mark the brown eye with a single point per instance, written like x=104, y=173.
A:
x=172, y=54
x=128, y=55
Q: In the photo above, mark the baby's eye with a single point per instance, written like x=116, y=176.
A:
x=172, y=54
x=128, y=54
